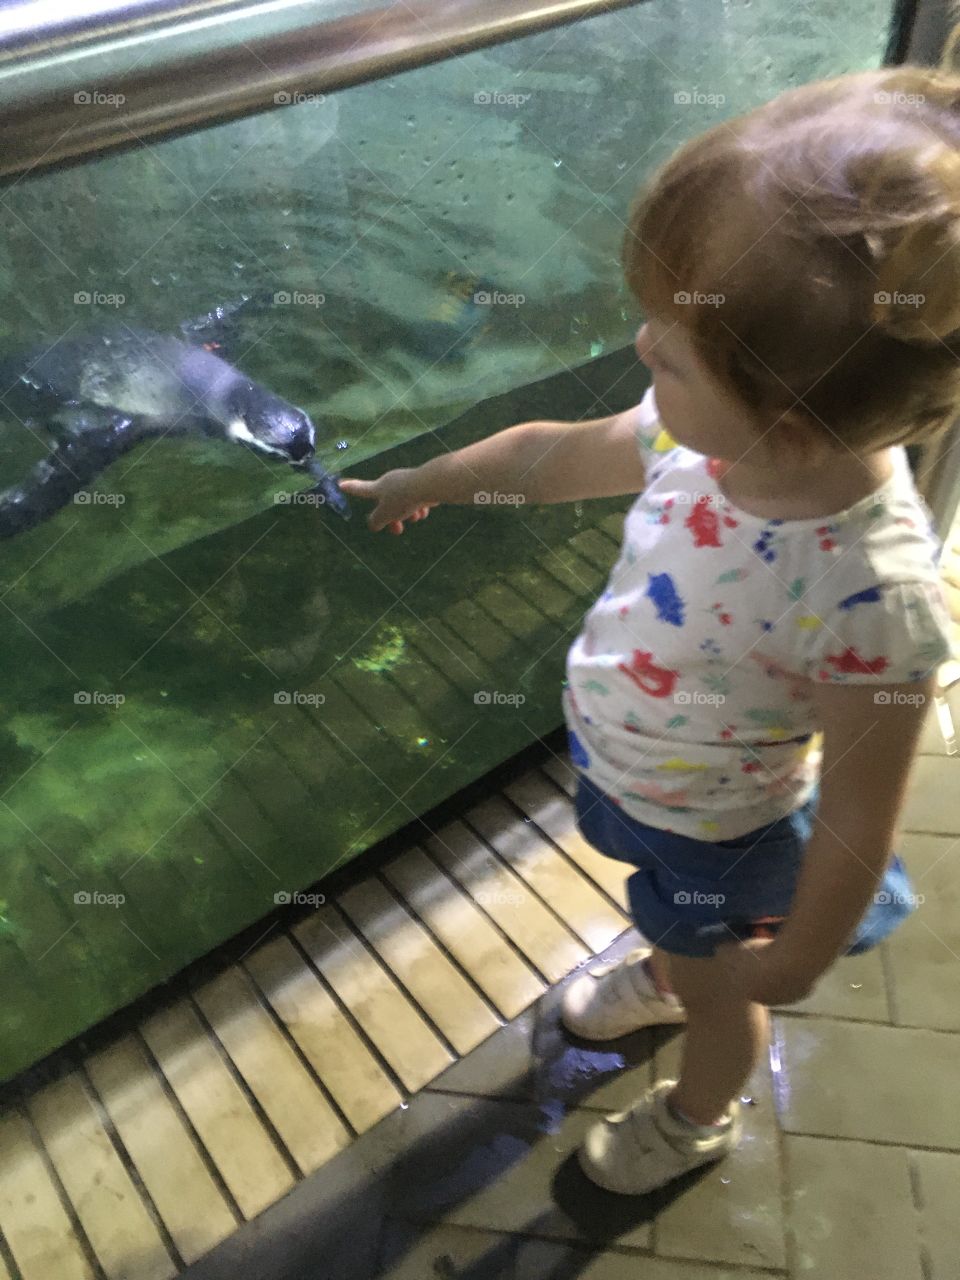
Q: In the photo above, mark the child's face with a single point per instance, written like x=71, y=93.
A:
x=695, y=409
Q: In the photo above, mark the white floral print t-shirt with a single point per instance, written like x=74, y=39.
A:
x=688, y=691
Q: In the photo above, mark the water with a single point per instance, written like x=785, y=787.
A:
x=213, y=697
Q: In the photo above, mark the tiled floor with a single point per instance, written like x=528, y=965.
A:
x=849, y=1170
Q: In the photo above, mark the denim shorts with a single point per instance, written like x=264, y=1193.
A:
x=687, y=895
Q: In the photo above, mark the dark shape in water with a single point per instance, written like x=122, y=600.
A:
x=102, y=394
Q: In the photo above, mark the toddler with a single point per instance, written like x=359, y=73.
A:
x=777, y=588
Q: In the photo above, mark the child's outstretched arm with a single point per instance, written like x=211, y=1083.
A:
x=540, y=461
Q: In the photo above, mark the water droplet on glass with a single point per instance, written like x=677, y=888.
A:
x=725, y=1181
x=343, y=444
x=412, y=122
x=621, y=166
x=404, y=1106
x=596, y=346
x=855, y=986
x=423, y=742
x=557, y=164
x=154, y=279
x=747, y=1100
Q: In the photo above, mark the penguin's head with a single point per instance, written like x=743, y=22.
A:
x=262, y=421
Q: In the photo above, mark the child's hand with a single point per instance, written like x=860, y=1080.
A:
x=756, y=970
x=398, y=498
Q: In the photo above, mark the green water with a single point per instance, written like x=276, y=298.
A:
x=294, y=689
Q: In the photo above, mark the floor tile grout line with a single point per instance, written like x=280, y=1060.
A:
x=76, y=1225
x=312, y=1074
x=360, y=937
x=595, y=1249
x=504, y=861
x=531, y=821
x=8, y=1260
x=133, y=1173
x=368, y=1043
x=246, y=1090
x=193, y=1134
x=527, y=960
x=916, y=1196
x=501, y=1017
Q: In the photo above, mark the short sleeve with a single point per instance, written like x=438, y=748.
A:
x=653, y=440
x=887, y=634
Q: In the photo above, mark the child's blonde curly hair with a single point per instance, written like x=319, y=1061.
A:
x=828, y=222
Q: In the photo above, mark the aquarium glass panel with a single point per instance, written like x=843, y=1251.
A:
x=216, y=690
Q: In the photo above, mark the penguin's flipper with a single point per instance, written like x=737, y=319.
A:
x=89, y=442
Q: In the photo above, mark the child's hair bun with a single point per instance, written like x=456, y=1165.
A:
x=913, y=242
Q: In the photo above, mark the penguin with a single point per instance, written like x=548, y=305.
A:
x=101, y=394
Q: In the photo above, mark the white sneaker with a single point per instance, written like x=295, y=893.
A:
x=610, y=1000
x=636, y=1151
